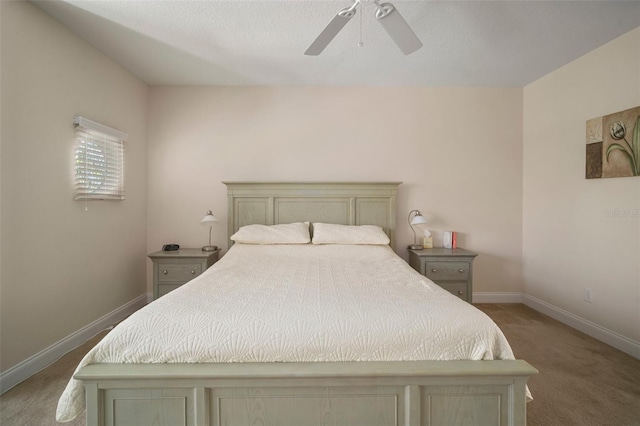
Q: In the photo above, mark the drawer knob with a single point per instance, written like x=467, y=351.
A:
x=460, y=292
x=193, y=272
x=461, y=270
x=165, y=272
x=434, y=270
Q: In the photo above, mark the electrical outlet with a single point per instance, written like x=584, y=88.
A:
x=587, y=295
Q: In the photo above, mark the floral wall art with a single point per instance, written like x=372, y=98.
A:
x=613, y=145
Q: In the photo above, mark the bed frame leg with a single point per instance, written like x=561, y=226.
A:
x=518, y=412
x=94, y=404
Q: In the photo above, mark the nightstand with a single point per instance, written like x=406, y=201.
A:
x=451, y=269
x=171, y=269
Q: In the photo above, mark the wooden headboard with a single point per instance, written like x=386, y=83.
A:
x=345, y=203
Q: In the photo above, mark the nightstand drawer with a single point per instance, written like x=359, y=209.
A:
x=171, y=269
x=174, y=272
x=457, y=289
x=449, y=271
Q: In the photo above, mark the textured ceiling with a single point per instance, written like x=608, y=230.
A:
x=241, y=42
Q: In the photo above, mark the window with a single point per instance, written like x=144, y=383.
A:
x=99, y=161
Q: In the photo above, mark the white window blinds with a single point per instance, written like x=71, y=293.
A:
x=99, y=161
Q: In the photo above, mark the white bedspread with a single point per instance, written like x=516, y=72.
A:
x=299, y=303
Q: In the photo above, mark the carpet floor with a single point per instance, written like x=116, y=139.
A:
x=582, y=381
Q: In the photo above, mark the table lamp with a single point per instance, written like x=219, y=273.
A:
x=208, y=220
x=417, y=220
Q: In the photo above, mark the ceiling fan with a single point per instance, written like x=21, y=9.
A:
x=386, y=14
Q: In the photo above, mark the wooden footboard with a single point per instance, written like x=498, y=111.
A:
x=409, y=393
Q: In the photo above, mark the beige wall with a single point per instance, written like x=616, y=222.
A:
x=457, y=150
x=569, y=241
x=63, y=267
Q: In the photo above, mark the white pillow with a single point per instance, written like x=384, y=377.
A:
x=289, y=233
x=328, y=233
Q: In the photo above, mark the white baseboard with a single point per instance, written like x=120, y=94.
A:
x=48, y=356
x=592, y=329
x=498, y=297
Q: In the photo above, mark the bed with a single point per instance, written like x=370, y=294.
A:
x=294, y=335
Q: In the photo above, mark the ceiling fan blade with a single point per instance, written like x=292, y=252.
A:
x=328, y=34
x=398, y=29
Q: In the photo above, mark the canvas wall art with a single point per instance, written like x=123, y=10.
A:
x=613, y=145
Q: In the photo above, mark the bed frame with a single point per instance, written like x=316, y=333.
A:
x=409, y=393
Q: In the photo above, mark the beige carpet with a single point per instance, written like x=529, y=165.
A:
x=34, y=401
x=582, y=381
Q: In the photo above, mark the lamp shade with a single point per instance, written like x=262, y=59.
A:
x=208, y=219
x=418, y=219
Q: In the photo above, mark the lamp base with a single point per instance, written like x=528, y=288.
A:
x=209, y=248
x=415, y=247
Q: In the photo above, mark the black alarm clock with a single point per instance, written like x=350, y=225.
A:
x=170, y=247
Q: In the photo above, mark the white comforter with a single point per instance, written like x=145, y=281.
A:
x=299, y=303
